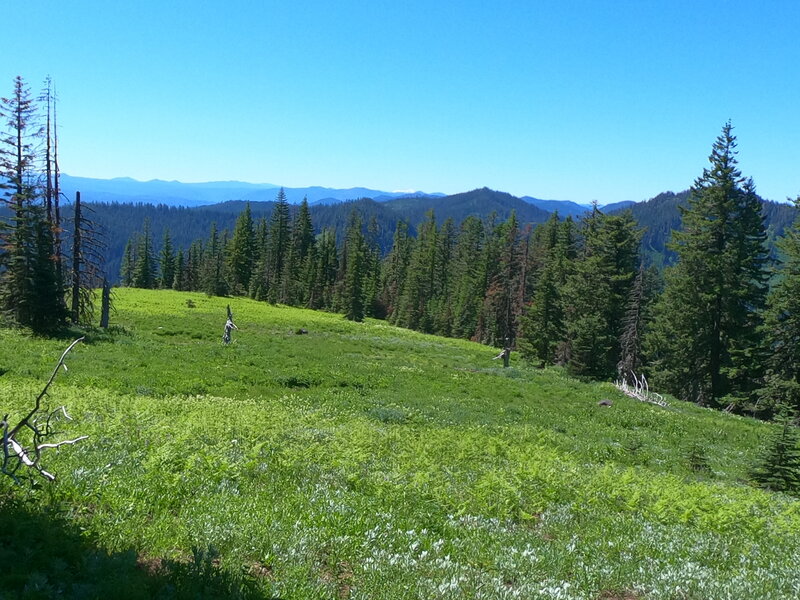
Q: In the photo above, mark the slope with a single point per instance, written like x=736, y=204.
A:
x=362, y=460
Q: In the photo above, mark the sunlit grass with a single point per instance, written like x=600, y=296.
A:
x=366, y=461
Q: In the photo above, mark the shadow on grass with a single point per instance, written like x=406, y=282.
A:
x=44, y=556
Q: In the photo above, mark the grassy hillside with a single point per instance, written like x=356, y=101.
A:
x=366, y=461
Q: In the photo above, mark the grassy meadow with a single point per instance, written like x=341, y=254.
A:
x=366, y=461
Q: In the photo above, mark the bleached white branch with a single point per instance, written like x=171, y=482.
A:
x=57, y=444
x=640, y=390
x=15, y=453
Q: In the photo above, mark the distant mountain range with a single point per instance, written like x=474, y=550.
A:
x=121, y=206
x=175, y=193
x=122, y=190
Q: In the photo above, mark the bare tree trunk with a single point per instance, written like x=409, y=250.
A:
x=105, y=306
x=76, y=261
x=56, y=200
x=48, y=157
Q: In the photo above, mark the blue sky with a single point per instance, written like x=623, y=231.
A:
x=563, y=99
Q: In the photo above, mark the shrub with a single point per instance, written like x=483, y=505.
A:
x=779, y=467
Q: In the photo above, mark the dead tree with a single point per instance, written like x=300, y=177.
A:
x=505, y=354
x=24, y=442
x=640, y=390
x=105, y=305
x=88, y=256
x=229, y=326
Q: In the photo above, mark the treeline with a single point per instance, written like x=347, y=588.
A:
x=49, y=264
x=707, y=329
x=661, y=215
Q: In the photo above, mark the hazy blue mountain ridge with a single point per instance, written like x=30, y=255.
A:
x=176, y=193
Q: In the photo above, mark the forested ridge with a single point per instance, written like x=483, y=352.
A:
x=589, y=294
x=657, y=218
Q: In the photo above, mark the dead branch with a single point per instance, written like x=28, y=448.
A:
x=640, y=390
x=17, y=454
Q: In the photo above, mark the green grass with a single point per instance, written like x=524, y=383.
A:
x=366, y=461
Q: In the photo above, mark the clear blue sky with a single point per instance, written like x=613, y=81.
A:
x=562, y=99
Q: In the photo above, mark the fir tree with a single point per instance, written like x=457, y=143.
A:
x=394, y=271
x=782, y=326
x=48, y=311
x=166, y=262
x=31, y=291
x=327, y=268
x=144, y=272
x=212, y=274
x=503, y=301
x=779, y=467
x=632, y=332
x=87, y=258
x=441, y=303
x=704, y=338
x=372, y=276
x=179, y=281
x=277, y=246
x=468, y=277
x=301, y=241
x=257, y=286
x=350, y=299
x=542, y=321
x=596, y=292
x=241, y=255
x=129, y=261
x=194, y=266
x=418, y=288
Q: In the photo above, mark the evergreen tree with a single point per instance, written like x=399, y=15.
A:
x=468, y=277
x=394, y=271
x=179, y=281
x=166, y=262
x=633, y=324
x=503, y=300
x=144, y=272
x=194, y=266
x=212, y=274
x=782, y=326
x=327, y=268
x=419, y=286
x=372, y=275
x=48, y=309
x=257, y=286
x=596, y=293
x=779, y=467
x=542, y=323
x=441, y=304
x=300, y=244
x=31, y=292
x=242, y=252
x=18, y=146
x=129, y=261
x=703, y=343
x=350, y=299
x=277, y=246
x=87, y=258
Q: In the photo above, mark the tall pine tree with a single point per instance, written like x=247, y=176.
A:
x=277, y=246
x=31, y=292
x=242, y=252
x=704, y=341
x=782, y=326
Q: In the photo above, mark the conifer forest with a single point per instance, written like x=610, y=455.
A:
x=297, y=400
x=718, y=327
